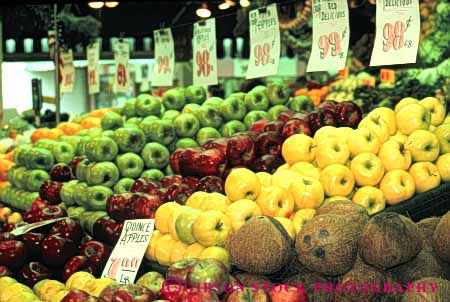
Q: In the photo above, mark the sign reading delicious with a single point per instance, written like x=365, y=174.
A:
x=164, y=66
x=330, y=35
x=204, y=52
x=93, y=56
x=122, y=75
x=67, y=71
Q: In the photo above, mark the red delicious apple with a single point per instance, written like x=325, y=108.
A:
x=76, y=264
x=12, y=254
x=319, y=118
x=167, y=181
x=274, y=126
x=144, y=185
x=61, y=173
x=241, y=150
x=330, y=105
x=296, y=126
x=211, y=184
x=286, y=293
x=32, y=243
x=348, y=114
x=5, y=272
x=50, y=191
x=38, y=204
x=74, y=163
x=144, y=205
x=118, y=206
x=286, y=115
x=76, y=295
x=8, y=227
x=202, y=296
x=68, y=228
x=108, y=291
x=180, y=269
x=96, y=253
x=267, y=163
x=56, y=250
x=269, y=143
x=32, y=273
x=259, y=125
x=171, y=292
x=175, y=161
x=50, y=212
x=4, y=236
x=210, y=162
x=132, y=293
x=187, y=161
x=178, y=193
x=191, y=182
x=249, y=294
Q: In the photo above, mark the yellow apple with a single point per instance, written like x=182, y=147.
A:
x=178, y=251
x=287, y=225
x=5, y=213
x=14, y=218
x=388, y=115
x=397, y=186
x=95, y=287
x=46, y=288
x=443, y=134
x=242, y=183
x=275, y=201
x=193, y=250
x=59, y=296
x=212, y=228
x=423, y=145
x=23, y=297
x=344, y=133
x=367, y=169
x=301, y=217
x=308, y=193
x=413, y=117
x=332, y=151
x=335, y=198
x=150, y=253
x=432, y=128
x=164, y=248
x=443, y=165
x=298, y=147
x=173, y=219
x=447, y=119
x=78, y=280
x=378, y=126
x=325, y=132
x=6, y=281
x=405, y=102
x=398, y=137
x=195, y=200
x=306, y=169
x=337, y=180
x=283, y=167
x=371, y=198
x=363, y=140
x=426, y=176
x=12, y=290
x=395, y=156
x=162, y=215
x=218, y=253
x=241, y=211
x=215, y=201
x=283, y=179
x=437, y=109
x=264, y=178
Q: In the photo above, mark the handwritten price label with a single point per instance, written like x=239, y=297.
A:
x=163, y=70
x=163, y=64
x=67, y=71
x=205, y=53
x=332, y=40
x=122, y=74
x=93, y=58
x=262, y=54
x=387, y=76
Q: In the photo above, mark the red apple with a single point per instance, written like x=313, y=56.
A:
x=267, y=163
x=107, y=293
x=211, y=184
x=107, y=230
x=32, y=243
x=330, y=105
x=61, y=173
x=144, y=185
x=38, y=204
x=76, y=264
x=32, y=273
x=296, y=126
x=319, y=118
x=5, y=272
x=167, y=181
x=210, y=162
x=274, y=126
x=259, y=126
x=76, y=295
x=191, y=182
x=171, y=292
x=249, y=294
x=4, y=236
x=68, y=228
x=118, y=206
x=210, y=271
x=187, y=161
x=175, y=161
x=144, y=205
x=74, y=163
x=50, y=212
x=132, y=293
x=96, y=253
x=56, y=250
x=348, y=114
x=202, y=296
x=12, y=254
x=286, y=115
x=50, y=191
x=286, y=293
x=269, y=143
x=180, y=269
x=178, y=193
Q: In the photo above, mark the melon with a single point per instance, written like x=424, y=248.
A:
x=351, y=210
x=426, y=227
x=441, y=238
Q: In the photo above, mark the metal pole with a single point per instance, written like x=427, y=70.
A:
x=1, y=63
x=57, y=90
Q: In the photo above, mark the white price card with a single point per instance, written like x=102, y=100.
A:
x=331, y=35
x=126, y=257
x=93, y=75
x=264, y=42
x=122, y=73
x=67, y=71
x=164, y=67
x=204, y=47
x=397, y=32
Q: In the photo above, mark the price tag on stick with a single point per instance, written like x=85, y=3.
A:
x=264, y=42
x=122, y=74
x=126, y=257
x=67, y=71
x=397, y=32
x=164, y=66
x=205, y=53
x=93, y=75
x=331, y=35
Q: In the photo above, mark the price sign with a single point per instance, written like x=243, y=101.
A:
x=205, y=53
x=164, y=66
x=369, y=82
x=122, y=73
x=93, y=75
x=126, y=257
x=264, y=42
x=67, y=71
x=343, y=73
x=331, y=35
x=397, y=32
x=387, y=76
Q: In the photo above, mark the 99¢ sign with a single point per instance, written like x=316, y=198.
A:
x=93, y=56
x=205, y=53
x=163, y=69
x=122, y=75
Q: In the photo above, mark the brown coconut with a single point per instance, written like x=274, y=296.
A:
x=441, y=238
x=327, y=244
x=260, y=246
x=441, y=294
x=357, y=213
x=388, y=240
x=426, y=227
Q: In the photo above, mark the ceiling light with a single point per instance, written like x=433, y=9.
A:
x=111, y=4
x=224, y=5
x=244, y=3
x=203, y=11
x=96, y=4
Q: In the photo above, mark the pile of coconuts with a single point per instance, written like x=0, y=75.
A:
x=383, y=257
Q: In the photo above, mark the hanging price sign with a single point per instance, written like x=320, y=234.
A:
x=93, y=75
x=122, y=73
x=205, y=53
x=397, y=32
x=264, y=42
x=387, y=76
x=331, y=35
x=164, y=66
x=67, y=71
x=126, y=257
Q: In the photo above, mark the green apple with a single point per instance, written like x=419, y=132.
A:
x=184, y=225
x=170, y=115
x=101, y=149
x=155, y=155
x=97, y=197
x=81, y=170
x=102, y=173
x=443, y=134
x=75, y=211
x=161, y=131
x=209, y=116
x=73, y=140
x=129, y=108
x=168, y=171
x=123, y=185
x=153, y=174
x=81, y=149
x=63, y=152
x=17, y=177
x=110, y=133
x=191, y=108
x=80, y=193
x=278, y=93
x=95, y=132
x=174, y=98
x=34, y=179
x=254, y=116
x=111, y=120
x=152, y=280
x=134, y=120
x=195, y=94
x=186, y=125
x=233, y=127
x=68, y=191
x=207, y=133
x=216, y=101
x=301, y=103
x=147, y=104
x=149, y=118
x=275, y=111
x=239, y=95
x=88, y=219
x=233, y=108
x=257, y=99
x=39, y=158
x=129, y=139
x=130, y=165
x=186, y=143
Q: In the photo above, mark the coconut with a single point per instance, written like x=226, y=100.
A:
x=351, y=210
x=441, y=293
x=327, y=244
x=260, y=246
x=441, y=238
x=426, y=227
x=388, y=240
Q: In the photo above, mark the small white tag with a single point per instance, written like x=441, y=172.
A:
x=204, y=47
x=164, y=67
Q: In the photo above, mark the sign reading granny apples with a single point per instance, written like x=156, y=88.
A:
x=397, y=32
x=164, y=67
x=93, y=75
x=204, y=53
x=67, y=71
x=122, y=73
x=264, y=42
x=331, y=35
x=126, y=257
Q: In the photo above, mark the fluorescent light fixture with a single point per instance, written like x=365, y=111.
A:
x=96, y=4
x=244, y=3
x=224, y=5
x=203, y=11
x=111, y=4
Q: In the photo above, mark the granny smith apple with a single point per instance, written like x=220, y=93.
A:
x=130, y=165
x=110, y=133
x=75, y=211
x=161, y=131
x=68, y=192
x=207, y=133
x=147, y=104
x=129, y=139
x=254, y=116
x=101, y=149
x=96, y=131
x=174, y=99
x=186, y=125
x=239, y=95
x=191, y=108
x=97, y=197
x=257, y=99
x=213, y=101
x=153, y=174
x=170, y=115
x=186, y=143
x=63, y=152
x=34, y=179
x=278, y=93
x=39, y=158
x=195, y=94
x=111, y=120
x=123, y=185
x=233, y=108
x=81, y=170
x=275, y=111
x=155, y=155
x=301, y=103
x=129, y=108
x=233, y=127
x=134, y=120
x=149, y=118
x=102, y=173
x=73, y=140
x=81, y=149
x=209, y=116
x=80, y=193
